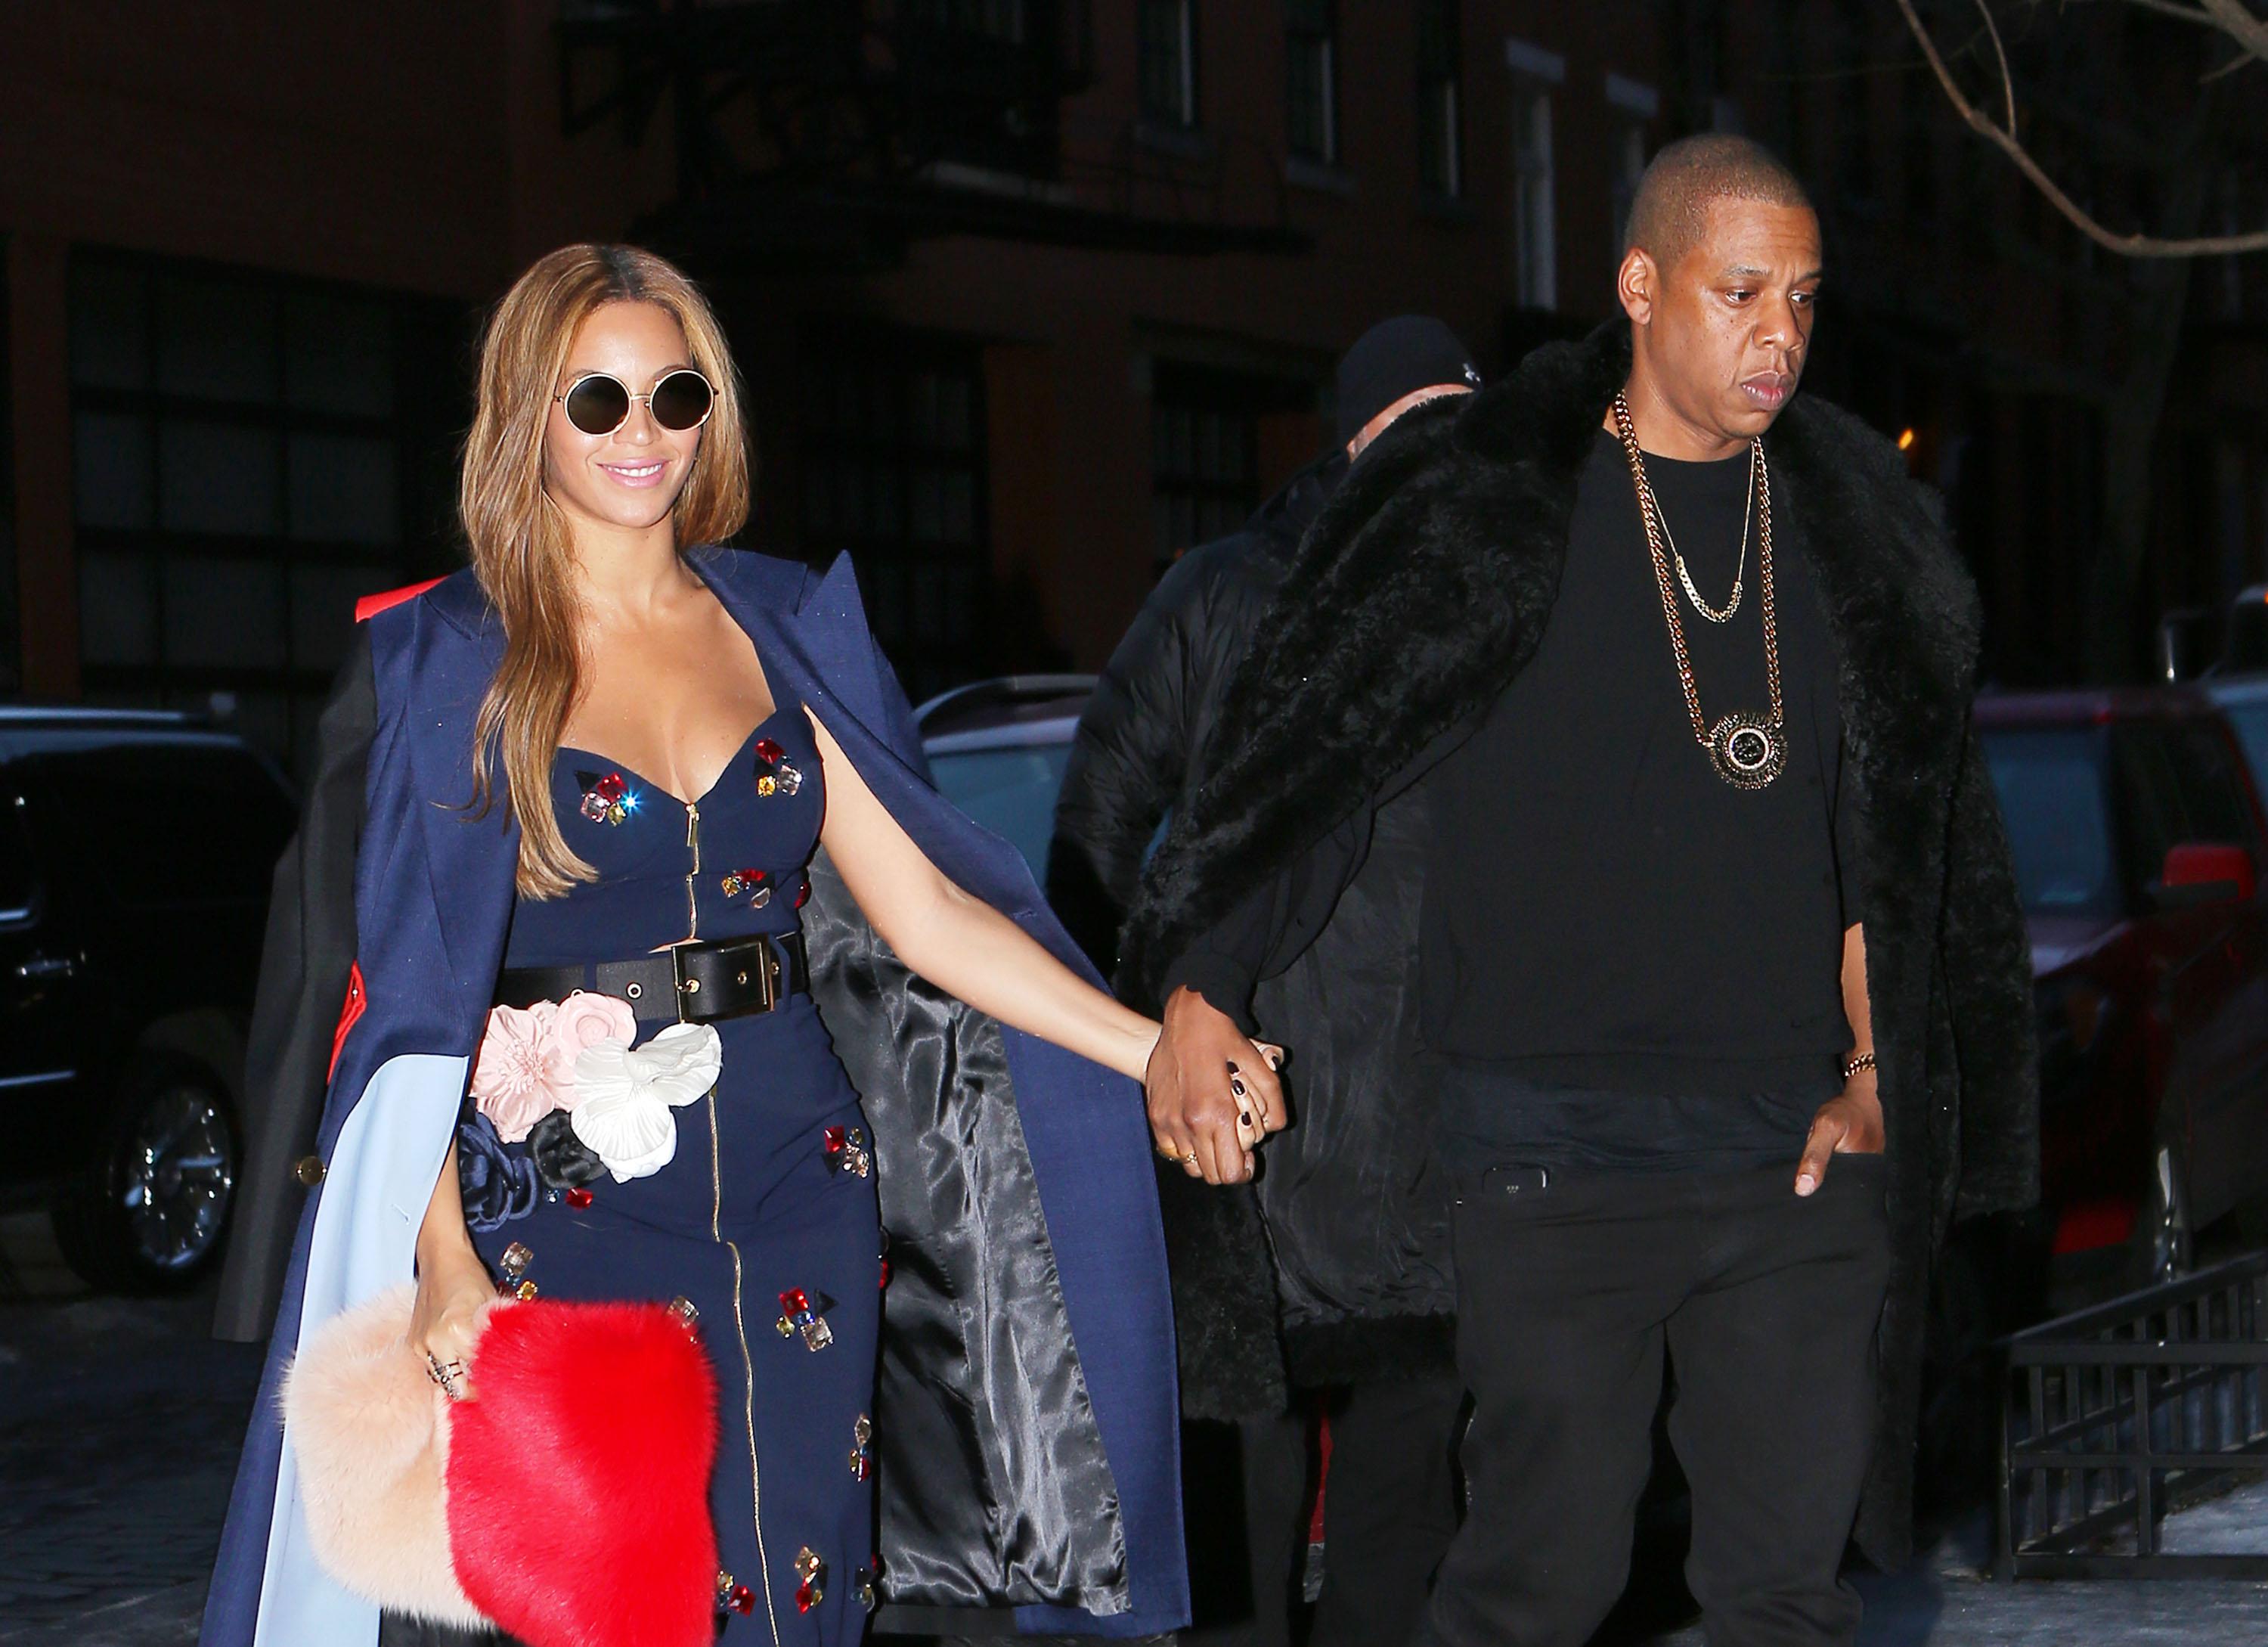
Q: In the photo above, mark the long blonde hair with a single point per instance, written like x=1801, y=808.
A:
x=521, y=552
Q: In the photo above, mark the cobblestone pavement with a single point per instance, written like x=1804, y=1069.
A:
x=119, y=1422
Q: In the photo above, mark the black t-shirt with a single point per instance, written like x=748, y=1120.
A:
x=1626, y=961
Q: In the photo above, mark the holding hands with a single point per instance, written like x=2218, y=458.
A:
x=1214, y=1092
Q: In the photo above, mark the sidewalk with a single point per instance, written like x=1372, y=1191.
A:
x=120, y=1422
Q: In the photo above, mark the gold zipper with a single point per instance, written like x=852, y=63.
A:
x=748, y=1367
x=693, y=842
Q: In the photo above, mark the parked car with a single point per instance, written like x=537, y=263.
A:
x=136, y=851
x=998, y=747
x=2138, y=832
x=2243, y=699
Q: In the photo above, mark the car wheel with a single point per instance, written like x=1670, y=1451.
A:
x=148, y=1214
x=2164, y=1242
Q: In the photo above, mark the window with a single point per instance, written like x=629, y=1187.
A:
x=1634, y=108
x=11, y=668
x=1010, y=791
x=1205, y=442
x=1534, y=249
x=19, y=876
x=2051, y=796
x=894, y=472
x=1440, y=139
x=250, y=456
x=1311, y=79
x=1168, y=51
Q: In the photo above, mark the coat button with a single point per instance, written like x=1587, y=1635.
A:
x=308, y=1170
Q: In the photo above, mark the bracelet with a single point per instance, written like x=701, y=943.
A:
x=1856, y=1062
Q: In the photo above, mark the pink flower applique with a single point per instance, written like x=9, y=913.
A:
x=523, y=1072
x=585, y=1020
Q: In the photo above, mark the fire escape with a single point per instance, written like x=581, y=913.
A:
x=836, y=133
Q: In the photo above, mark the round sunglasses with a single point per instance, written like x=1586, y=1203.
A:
x=599, y=403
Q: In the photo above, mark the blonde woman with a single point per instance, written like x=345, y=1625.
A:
x=669, y=963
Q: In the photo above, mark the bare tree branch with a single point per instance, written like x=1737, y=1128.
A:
x=2000, y=56
x=2006, y=140
x=2237, y=21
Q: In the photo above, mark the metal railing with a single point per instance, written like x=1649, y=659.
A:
x=2116, y=1415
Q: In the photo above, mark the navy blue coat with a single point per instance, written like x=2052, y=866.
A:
x=1027, y=1429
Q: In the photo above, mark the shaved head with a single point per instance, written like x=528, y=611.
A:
x=1669, y=215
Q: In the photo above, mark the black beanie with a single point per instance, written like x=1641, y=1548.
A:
x=1396, y=358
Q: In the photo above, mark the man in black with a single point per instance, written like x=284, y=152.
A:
x=1252, y=1332
x=1717, y=909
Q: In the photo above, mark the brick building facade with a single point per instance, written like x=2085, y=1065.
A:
x=1028, y=294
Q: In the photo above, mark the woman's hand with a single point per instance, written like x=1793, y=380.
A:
x=446, y=1316
x=1213, y=1095
x=452, y=1283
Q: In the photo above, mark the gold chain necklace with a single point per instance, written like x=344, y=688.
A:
x=1740, y=566
x=1748, y=753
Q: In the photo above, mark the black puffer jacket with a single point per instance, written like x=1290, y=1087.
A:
x=1140, y=744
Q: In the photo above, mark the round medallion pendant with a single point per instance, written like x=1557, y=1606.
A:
x=1749, y=753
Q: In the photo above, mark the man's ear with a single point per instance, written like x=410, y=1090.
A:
x=1636, y=284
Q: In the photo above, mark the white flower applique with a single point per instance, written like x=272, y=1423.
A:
x=623, y=1097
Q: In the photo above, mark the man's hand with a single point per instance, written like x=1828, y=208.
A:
x=1849, y=1124
x=1212, y=1093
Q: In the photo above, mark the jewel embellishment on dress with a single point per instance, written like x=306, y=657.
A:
x=688, y=1314
x=813, y=1571
x=867, y=1581
x=607, y=797
x=734, y=1594
x=796, y=1315
x=846, y=1150
x=754, y=882
x=780, y=776
x=862, y=1450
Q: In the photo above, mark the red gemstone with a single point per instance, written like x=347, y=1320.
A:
x=794, y=1302
x=769, y=752
x=886, y=1274
x=577, y=1197
x=803, y=893
x=862, y=1468
x=742, y=1599
x=611, y=787
x=807, y=1596
x=837, y=1139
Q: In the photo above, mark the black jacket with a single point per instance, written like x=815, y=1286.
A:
x=1138, y=748
x=1420, y=592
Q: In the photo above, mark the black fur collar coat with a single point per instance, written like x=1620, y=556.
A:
x=1418, y=593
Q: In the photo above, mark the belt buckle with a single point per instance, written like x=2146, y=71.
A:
x=683, y=986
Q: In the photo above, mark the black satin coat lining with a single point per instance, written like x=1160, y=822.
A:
x=995, y=1490
x=1356, y=1214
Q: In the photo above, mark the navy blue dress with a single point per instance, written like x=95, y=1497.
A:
x=755, y=1203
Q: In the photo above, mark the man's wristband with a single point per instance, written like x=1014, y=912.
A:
x=1856, y=1062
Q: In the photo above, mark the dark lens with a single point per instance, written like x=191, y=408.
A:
x=597, y=405
x=681, y=401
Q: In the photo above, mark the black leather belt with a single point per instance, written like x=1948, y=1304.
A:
x=693, y=983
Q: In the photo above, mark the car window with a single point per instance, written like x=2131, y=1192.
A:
x=1010, y=791
x=17, y=877
x=2152, y=813
x=176, y=824
x=2051, y=795
x=2212, y=785
x=2251, y=723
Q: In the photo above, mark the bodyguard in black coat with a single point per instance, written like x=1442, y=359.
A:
x=1143, y=732
x=1420, y=595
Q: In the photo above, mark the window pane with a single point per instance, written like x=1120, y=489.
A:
x=218, y=477
x=1164, y=62
x=216, y=339
x=2050, y=788
x=225, y=613
x=109, y=327
x=117, y=608
x=110, y=470
x=343, y=490
x=322, y=610
x=17, y=875
x=338, y=355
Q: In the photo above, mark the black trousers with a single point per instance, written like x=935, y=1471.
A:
x=1567, y=1297
x=1389, y=1509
